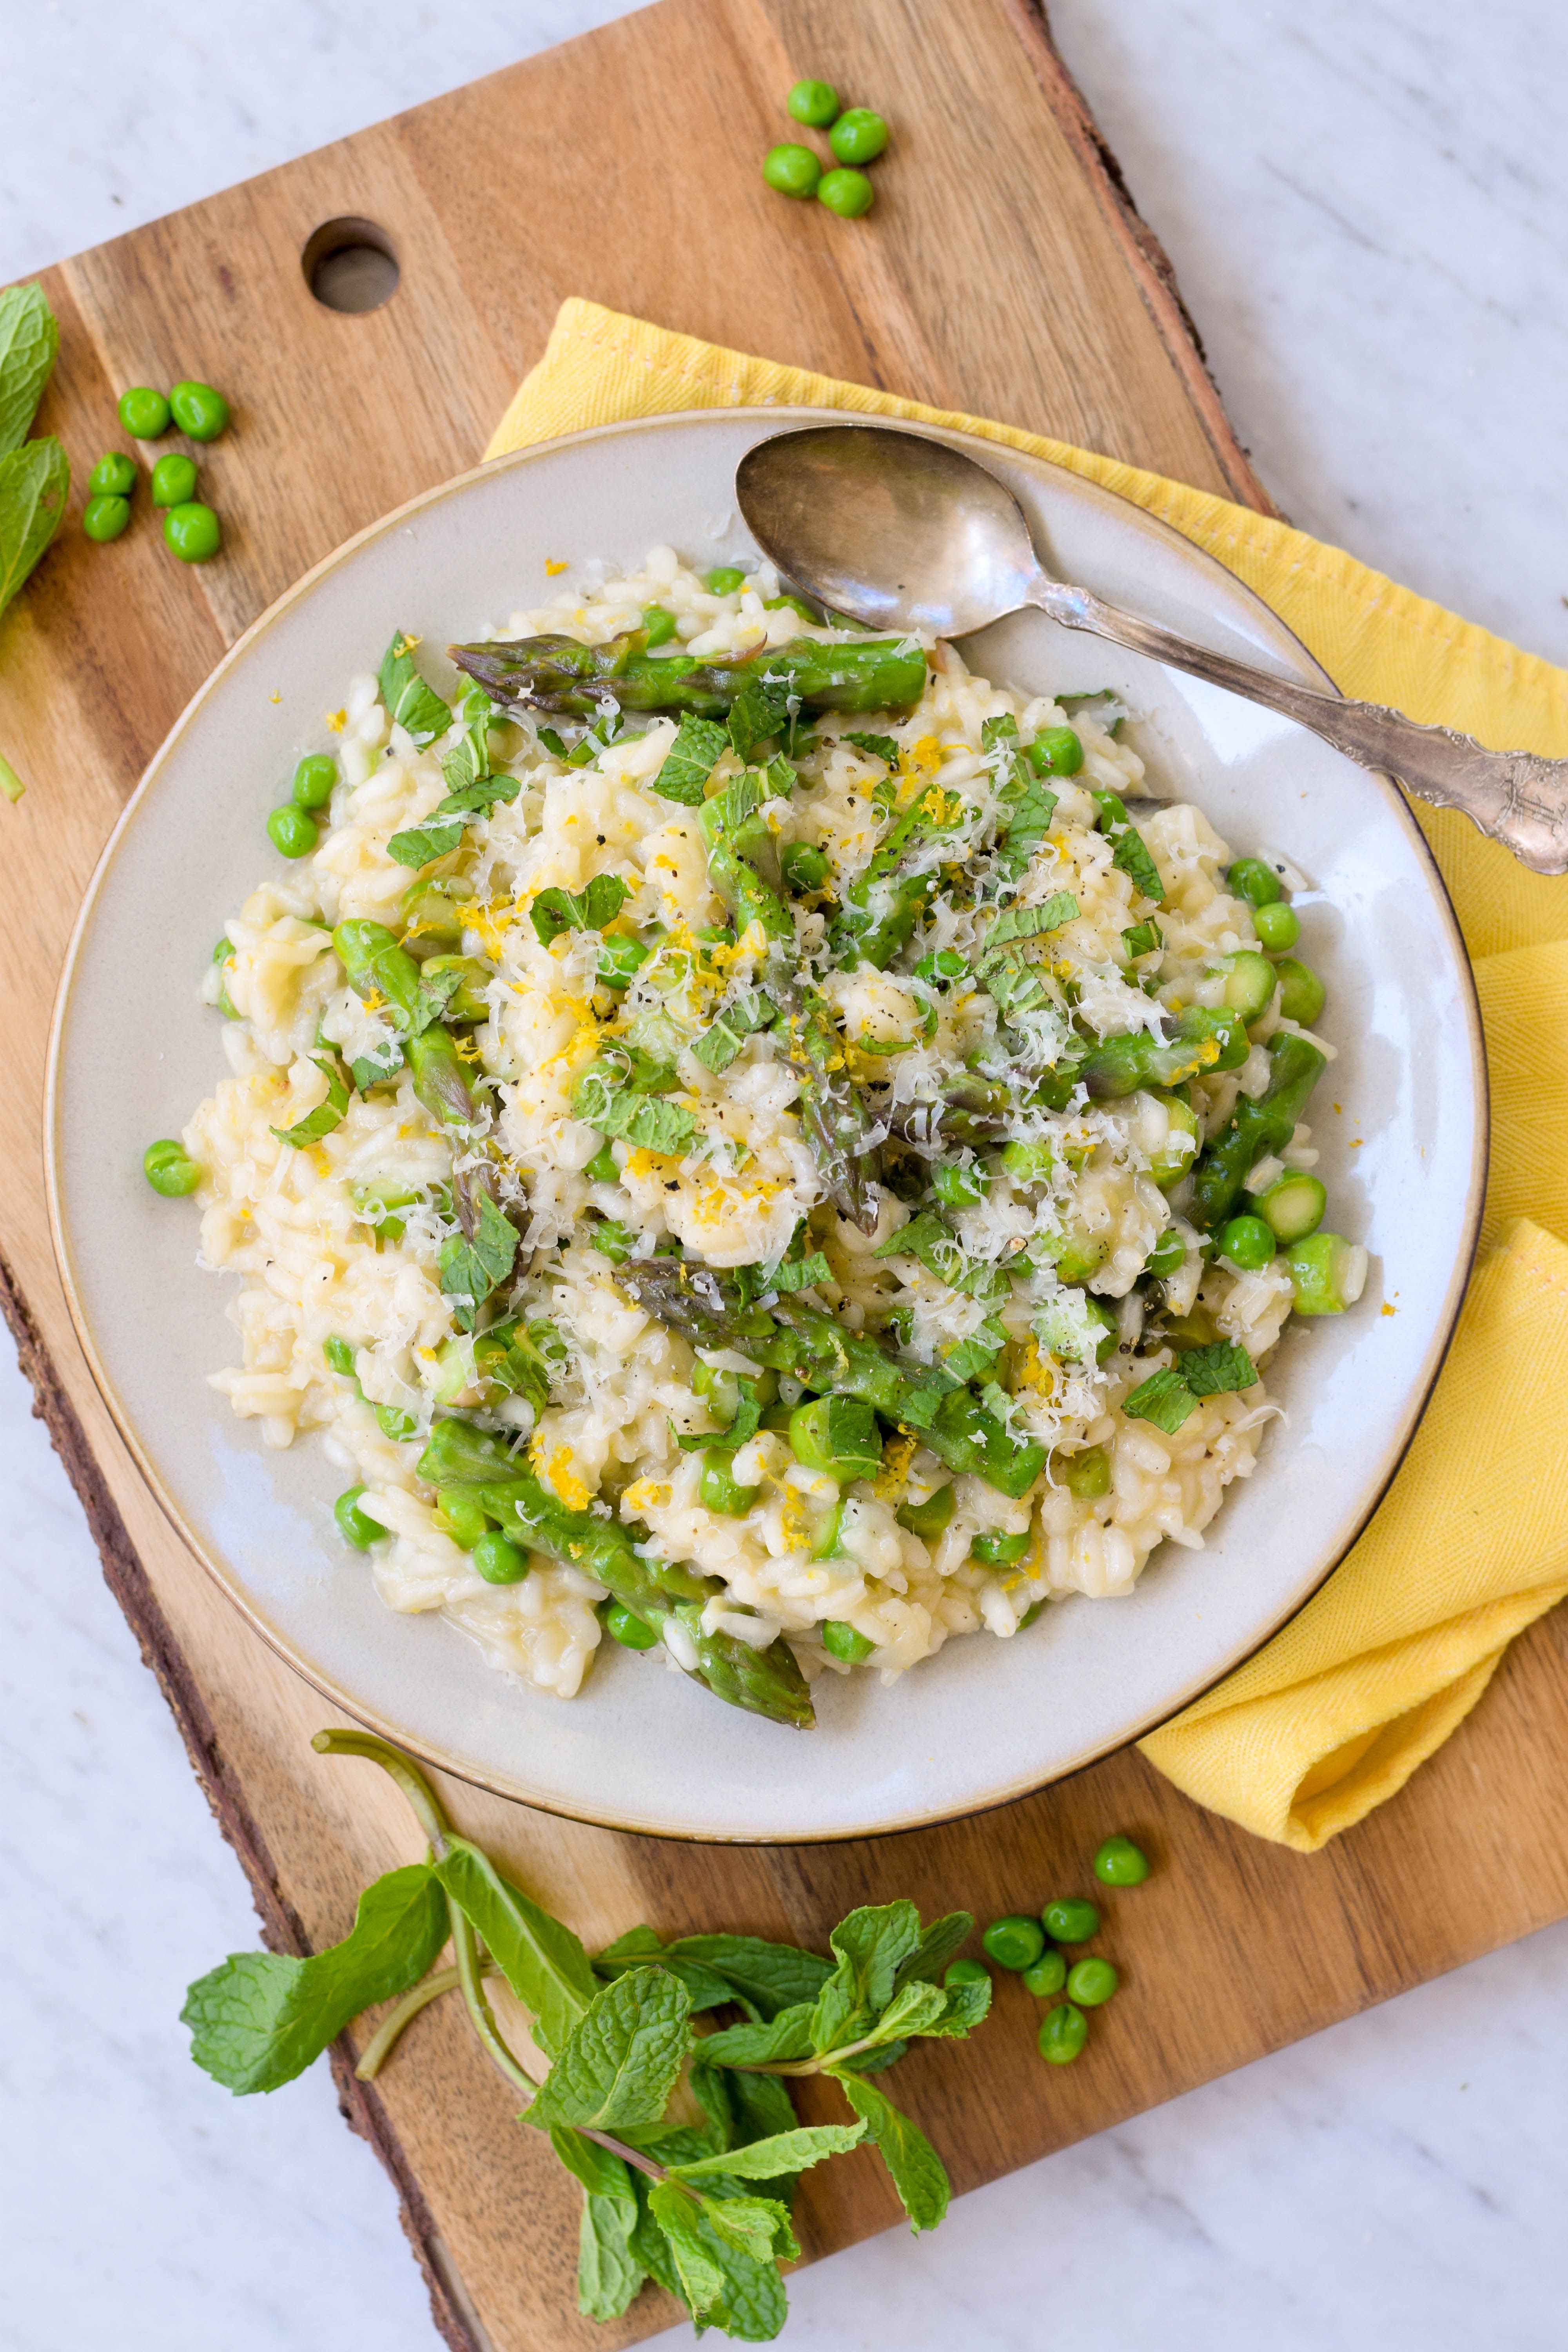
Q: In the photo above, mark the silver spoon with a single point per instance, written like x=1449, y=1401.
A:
x=902, y=532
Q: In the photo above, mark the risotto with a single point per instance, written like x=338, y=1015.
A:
x=738, y=1139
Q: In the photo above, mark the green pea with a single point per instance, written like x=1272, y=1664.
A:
x=848, y=194
x=859, y=136
x=1086, y=1474
x=173, y=479
x=804, y=866
x=791, y=605
x=621, y=958
x=1119, y=1862
x=395, y=1424
x=497, y=1561
x=1063, y=2032
x=842, y=1642
x=113, y=477
x=615, y=1240
x=1248, y=1241
x=623, y=1625
x=467, y=1523
x=659, y=623
x=959, y=1972
x=1028, y=1163
x=958, y=1183
x=314, y=779
x=791, y=171
x=837, y=1434
x=1168, y=1255
x=1073, y=1920
x=1249, y=878
x=1248, y=984
x=724, y=578
x=815, y=103
x=1055, y=752
x=1090, y=1982
x=143, y=413
x=603, y=1168
x=721, y=1490
x=1293, y=1206
x=1047, y=1976
x=169, y=1169
x=1277, y=926
x=339, y=1355
x=1015, y=1942
x=356, y=1527
x=292, y=831
x=192, y=531
x=199, y=410
x=105, y=519
x=1320, y=1274
x=996, y=1550
x=1301, y=992
x=928, y=1520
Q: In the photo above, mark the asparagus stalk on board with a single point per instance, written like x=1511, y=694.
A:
x=765, y=1682
x=556, y=673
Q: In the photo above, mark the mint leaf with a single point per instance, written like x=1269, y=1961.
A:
x=1130, y=851
x=913, y=2008
x=599, y=902
x=262, y=2017
x=1164, y=1398
x=609, y=2272
x=747, y=1012
x=753, y=2226
x=543, y=1961
x=421, y=845
x=643, y=1119
x=1014, y=985
x=35, y=482
x=967, y=2006
x=619, y=2062
x=30, y=339
x=412, y=705
x=917, y=2172
x=1027, y=825
x=700, y=2274
x=871, y=1943
x=758, y=711
x=1218, y=1370
x=328, y=1114
x=1029, y=922
x=471, y=1268
x=1141, y=940
x=698, y=747
x=781, y=2038
x=762, y=2109
x=478, y=799
x=640, y=1948
x=877, y=747
x=798, y=1273
x=776, y=1976
x=789, y=2151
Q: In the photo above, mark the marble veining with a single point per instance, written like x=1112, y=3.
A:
x=1363, y=200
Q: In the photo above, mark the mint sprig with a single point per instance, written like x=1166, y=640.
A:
x=702, y=2210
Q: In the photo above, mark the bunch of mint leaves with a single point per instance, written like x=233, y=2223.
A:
x=34, y=475
x=702, y=2208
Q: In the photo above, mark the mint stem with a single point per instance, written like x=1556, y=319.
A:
x=421, y=1796
x=390, y=2031
x=821, y=2065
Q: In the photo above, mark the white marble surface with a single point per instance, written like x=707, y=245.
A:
x=1363, y=199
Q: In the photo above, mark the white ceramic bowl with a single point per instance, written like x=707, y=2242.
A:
x=1401, y=1120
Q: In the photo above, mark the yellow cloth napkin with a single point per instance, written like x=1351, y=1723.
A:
x=1471, y=1541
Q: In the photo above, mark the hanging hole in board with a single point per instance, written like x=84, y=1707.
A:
x=350, y=265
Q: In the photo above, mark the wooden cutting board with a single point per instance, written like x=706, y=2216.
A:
x=1004, y=272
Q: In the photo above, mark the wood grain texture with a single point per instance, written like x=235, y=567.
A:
x=1004, y=271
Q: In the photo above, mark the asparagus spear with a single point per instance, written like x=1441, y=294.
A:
x=838, y=1125
x=713, y=1310
x=766, y=1682
x=1201, y=1044
x=557, y=675
x=1256, y=1129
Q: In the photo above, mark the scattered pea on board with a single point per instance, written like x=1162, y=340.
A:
x=173, y=479
x=848, y=194
x=192, y=531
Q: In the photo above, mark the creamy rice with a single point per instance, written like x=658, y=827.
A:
x=298, y=1224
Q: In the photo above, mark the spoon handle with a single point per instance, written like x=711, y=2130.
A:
x=1517, y=797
